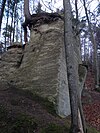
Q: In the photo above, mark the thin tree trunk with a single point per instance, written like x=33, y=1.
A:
x=26, y=10
x=71, y=66
x=11, y=28
x=17, y=35
x=81, y=114
x=14, y=21
x=81, y=118
x=7, y=24
x=84, y=50
x=27, y=18
x=17, y=31
x=94, y=48
x=21, y=26
x=76, y=9
x=1, y=12
x=80, y=122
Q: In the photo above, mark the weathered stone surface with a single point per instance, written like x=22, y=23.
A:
x=45, y=58
x=9, y=61
x=41, y=67
x=82, y=77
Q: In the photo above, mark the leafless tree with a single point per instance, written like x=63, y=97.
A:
x=2, y=11
x=94, y=47
x=72, y=74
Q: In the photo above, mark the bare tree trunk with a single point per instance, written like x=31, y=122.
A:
x=81, y=118
x=11, y=28
x=1, y=12
x=7, y=24
x=17, y=21
x=27, y=18
x=76, y=1
x=12, y=22
x=26, y=10
x=83, y=127
x=77, y=117
x=84, y=50
x=15, y=9
x=17, y=31
x=94, y=48
x=71, y=67
x=21, y=26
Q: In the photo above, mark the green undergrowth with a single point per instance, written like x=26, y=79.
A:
x=20, y=123
x=92, y=130
x=53, y=128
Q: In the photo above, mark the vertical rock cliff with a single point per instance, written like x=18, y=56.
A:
x=41, y=66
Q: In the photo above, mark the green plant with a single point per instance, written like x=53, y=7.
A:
x=23, y=124
x=92, y=130
x=53, y=128
x=20, y=123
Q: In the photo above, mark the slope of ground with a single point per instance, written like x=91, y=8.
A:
x=91, y=101
x=91, y=107
x=21, y=112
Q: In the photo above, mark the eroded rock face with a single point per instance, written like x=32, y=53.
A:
x=9, y=62
x=42, y=68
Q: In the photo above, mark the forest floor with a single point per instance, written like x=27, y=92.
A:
x=91, y=101
x=91, y=107
x=21, y=112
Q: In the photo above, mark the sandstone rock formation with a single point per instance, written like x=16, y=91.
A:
x=41, y=66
